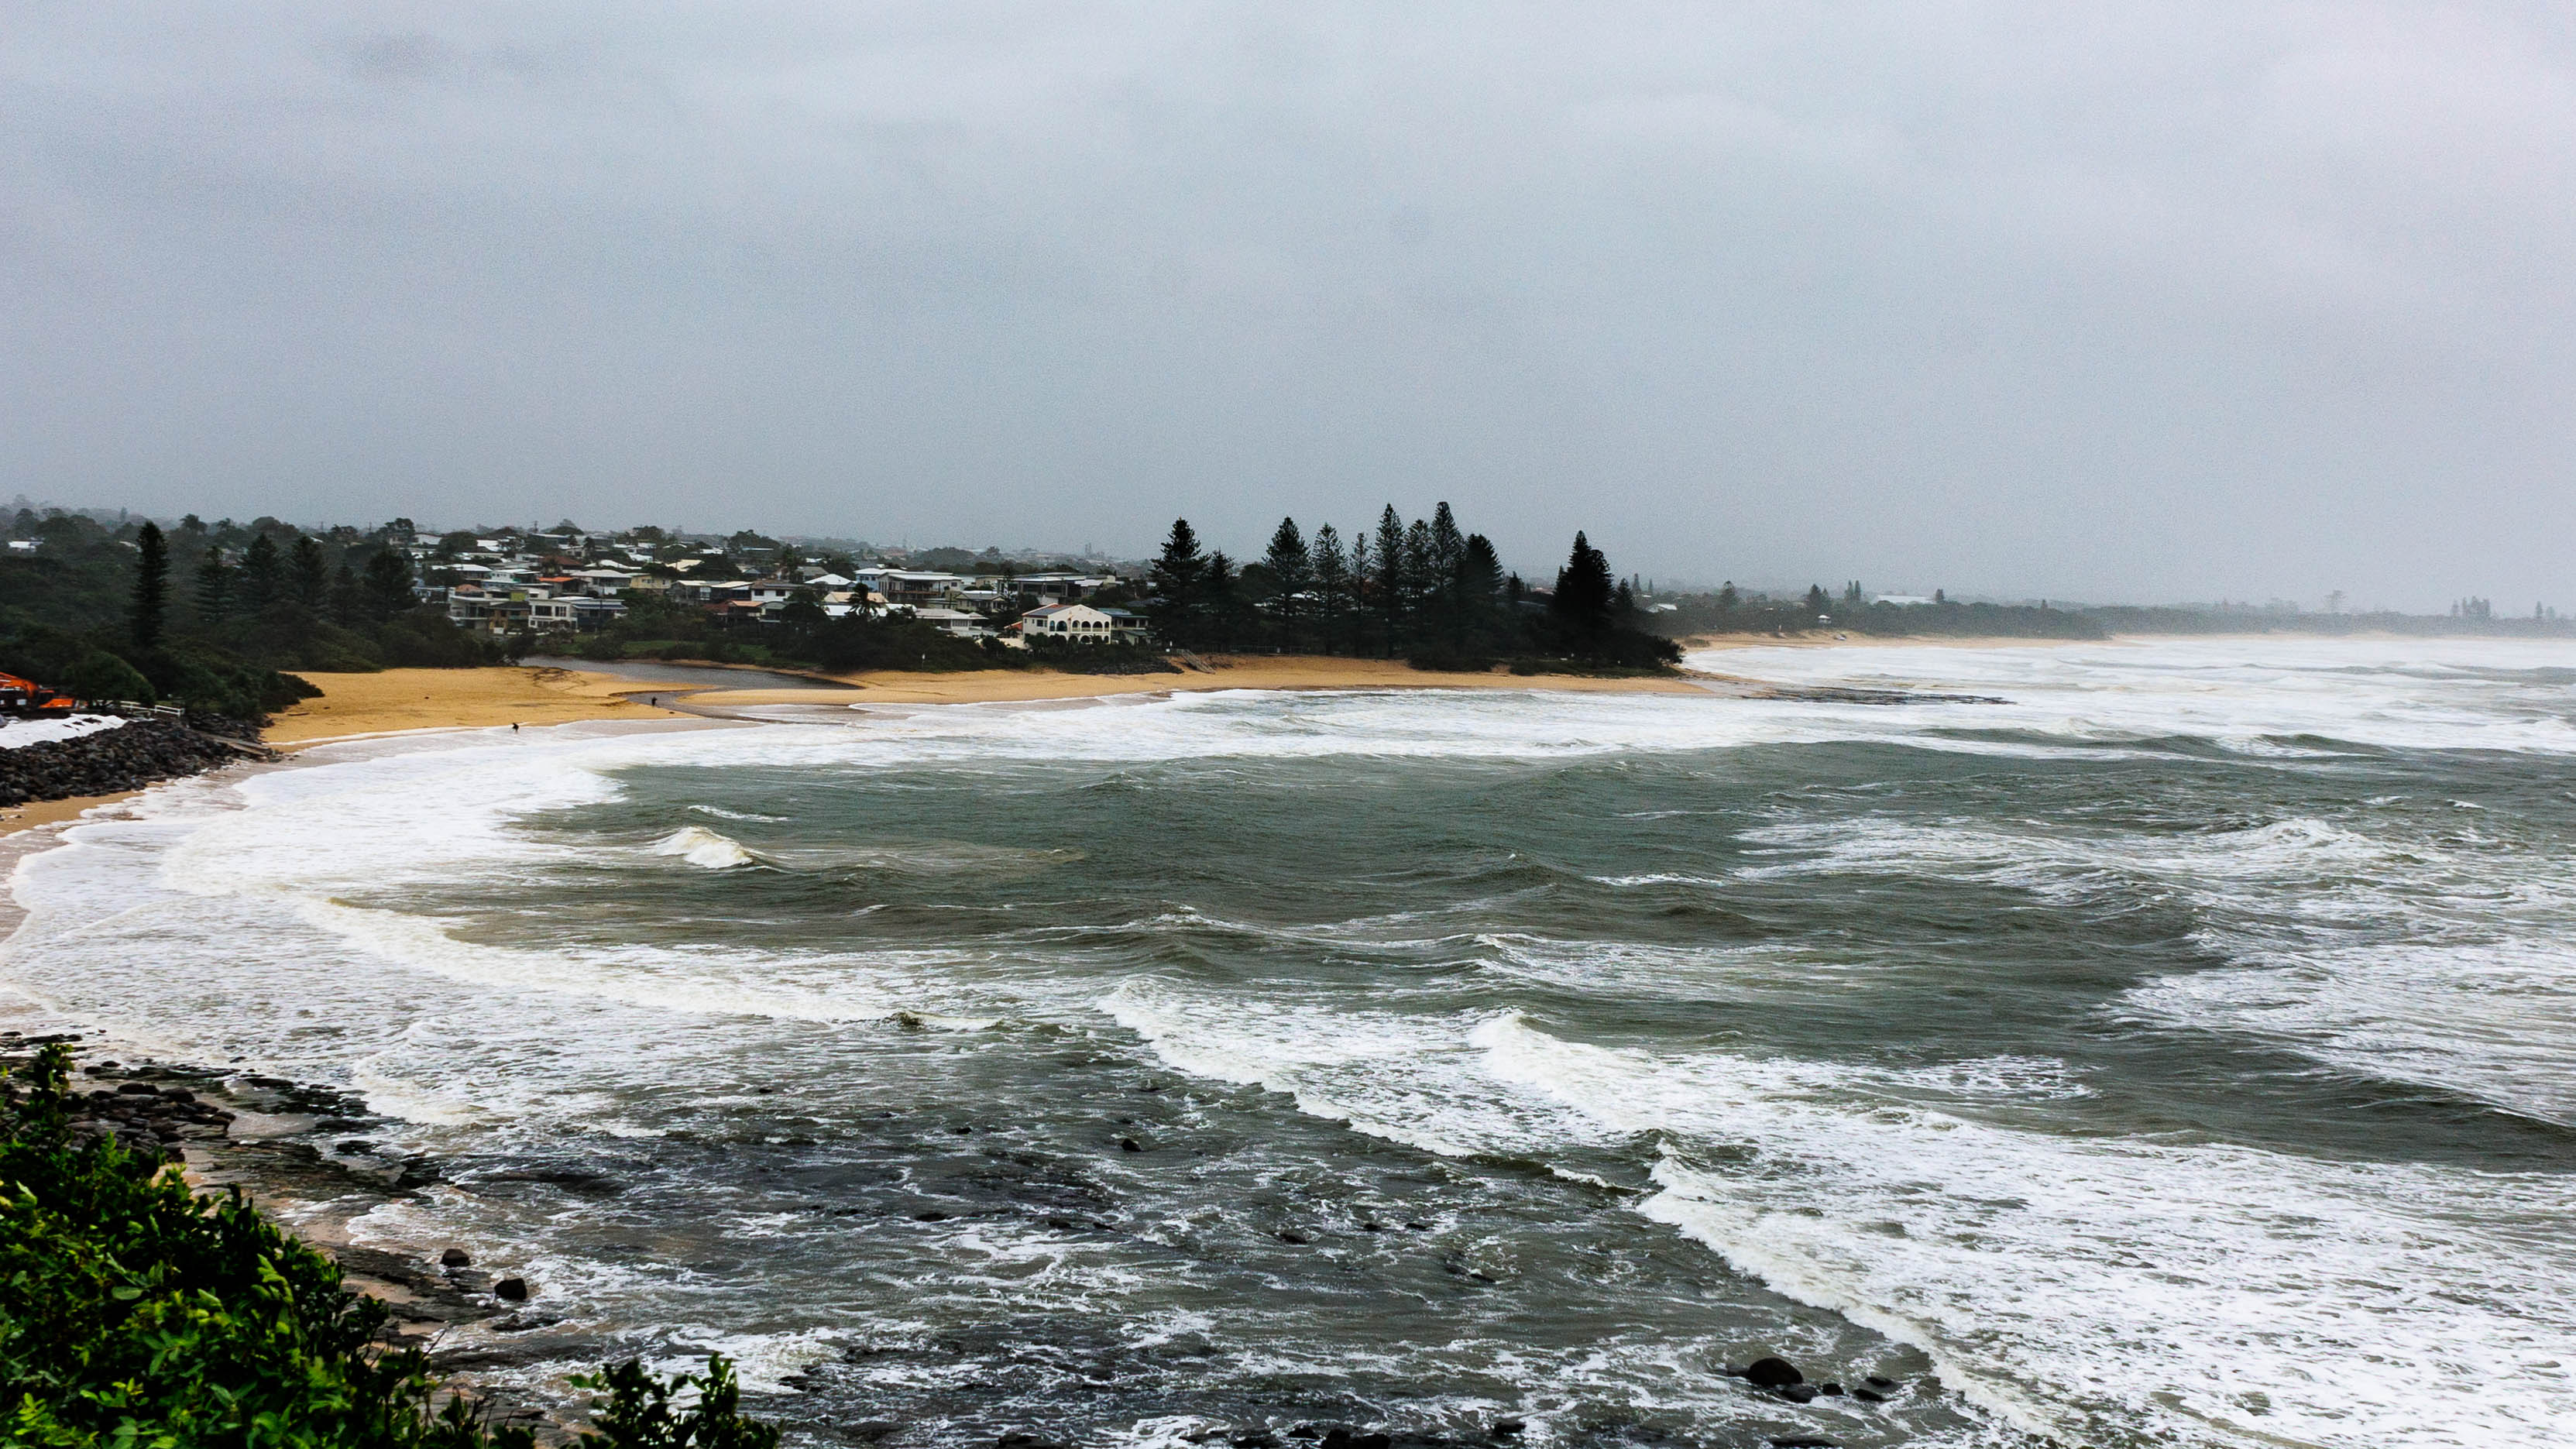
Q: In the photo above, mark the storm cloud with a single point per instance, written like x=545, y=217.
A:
x=2104, y=301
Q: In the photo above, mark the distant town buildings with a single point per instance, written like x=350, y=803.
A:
x=569, y=580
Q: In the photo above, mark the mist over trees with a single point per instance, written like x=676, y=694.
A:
x=1733, y=611
x=1425, y=590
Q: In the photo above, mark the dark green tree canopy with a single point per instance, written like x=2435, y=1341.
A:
x=151, y=586
x=263, y=574
x=1583, y=591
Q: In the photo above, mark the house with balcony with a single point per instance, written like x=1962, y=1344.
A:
x=1068, y=624
x=915, y=588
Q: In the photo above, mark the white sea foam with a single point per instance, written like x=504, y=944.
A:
x=2202, y=1291
x=705, y=848
x=2468, y=984
x=2081, y=1287
x=2067, y=862
x=2277, y=697
x=722, y=813
x=2492, y=1020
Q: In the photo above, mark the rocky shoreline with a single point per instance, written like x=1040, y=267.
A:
x=279, y=1140
x=313, y=1155
x=131, y=756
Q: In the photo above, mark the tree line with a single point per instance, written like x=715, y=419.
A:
x=212, y=616
x=1424, y=590
x=1852, y=610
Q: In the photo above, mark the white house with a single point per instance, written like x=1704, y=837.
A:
x=1068, y=623
x=913, y=586
x=954, y=621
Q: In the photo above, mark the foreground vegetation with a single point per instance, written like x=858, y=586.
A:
x=134, y=1313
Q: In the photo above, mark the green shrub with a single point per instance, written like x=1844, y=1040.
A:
x=100, y=675
x=134, y=1313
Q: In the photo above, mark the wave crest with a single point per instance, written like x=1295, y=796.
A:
x=705, y=848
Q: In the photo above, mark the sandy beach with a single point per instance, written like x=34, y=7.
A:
x=989, y=686
x=412, y=699
x=52, y=812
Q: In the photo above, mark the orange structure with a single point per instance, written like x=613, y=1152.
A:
x=26, y=696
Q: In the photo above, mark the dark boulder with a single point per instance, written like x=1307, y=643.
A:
x=1797, y=1393
x=1773, y=1373
x=455, y=1258
x=514, y=1290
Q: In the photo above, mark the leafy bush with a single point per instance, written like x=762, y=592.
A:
x=134, y=1313
x=1086, y=658
x=1442, y=662
x=425, y=639
x=98, y=674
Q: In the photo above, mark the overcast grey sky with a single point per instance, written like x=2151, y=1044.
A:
x=2128, y=300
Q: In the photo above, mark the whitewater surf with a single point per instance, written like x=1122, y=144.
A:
x=2177, y=1052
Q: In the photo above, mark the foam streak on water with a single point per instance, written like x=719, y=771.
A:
x=2183, y=1052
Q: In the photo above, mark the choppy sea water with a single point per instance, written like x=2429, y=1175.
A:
x=2183, y=1052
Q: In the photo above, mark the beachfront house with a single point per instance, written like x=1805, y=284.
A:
x=959, y=622
x=1068, y=624
x=1129, y=627
x=915, y=588
x=483, y=609
x=573, y=613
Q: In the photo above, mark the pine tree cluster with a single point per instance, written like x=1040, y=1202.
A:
x=1424, y=590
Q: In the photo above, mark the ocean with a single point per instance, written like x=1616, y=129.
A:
x=2181, y=1051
